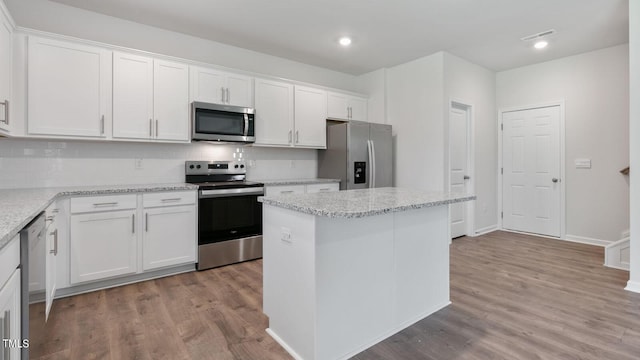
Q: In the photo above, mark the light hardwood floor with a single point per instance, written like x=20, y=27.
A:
x=513, y=297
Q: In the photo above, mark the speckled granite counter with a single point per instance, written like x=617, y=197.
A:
x=20, y=206
x=366, y=202
x=297, y=181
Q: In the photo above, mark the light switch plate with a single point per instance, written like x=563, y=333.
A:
x=583, y=163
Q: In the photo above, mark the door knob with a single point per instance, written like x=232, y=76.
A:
x=555, y=180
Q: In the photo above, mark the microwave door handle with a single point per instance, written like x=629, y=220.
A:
x=246, y=124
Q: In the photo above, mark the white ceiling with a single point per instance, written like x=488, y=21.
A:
x=386, y=33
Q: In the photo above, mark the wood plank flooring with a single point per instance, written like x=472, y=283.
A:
x=513, y=297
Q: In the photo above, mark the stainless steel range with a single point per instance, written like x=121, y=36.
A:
x=229, y=214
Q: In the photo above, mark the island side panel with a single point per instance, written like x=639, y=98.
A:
x=355, y=282
x=421, y=250
x=288, y=279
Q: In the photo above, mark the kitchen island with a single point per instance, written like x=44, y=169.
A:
x=345, y=270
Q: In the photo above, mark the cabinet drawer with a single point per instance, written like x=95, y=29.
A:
x=315, y=188
x=103, y=203
x=282, y=190
x=169, y=199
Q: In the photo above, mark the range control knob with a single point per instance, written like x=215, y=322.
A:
x=198, y=166
x=241, y=166
x=191, y=166
x=235, y=166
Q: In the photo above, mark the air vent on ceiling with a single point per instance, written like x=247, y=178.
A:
x=538, y=35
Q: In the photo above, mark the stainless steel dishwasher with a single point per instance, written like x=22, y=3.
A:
x=34, y=232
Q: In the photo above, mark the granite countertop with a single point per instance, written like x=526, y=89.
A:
x=296, y=181
x=20, y=206
x=366, y=202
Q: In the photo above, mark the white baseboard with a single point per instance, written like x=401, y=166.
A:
x=282, y=343
x=586, y=240
x=633, y=286
x=486, y=230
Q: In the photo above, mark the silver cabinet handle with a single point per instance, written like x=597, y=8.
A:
x=324, y=189
x=290, y=132
x=102, y=125
x=157, y=127
x=6, y=112
x=286, y=192
x=555, y=180
x=171, y=199
x=105, y=204
x=133, y=223
x=228, y=96
x=222, y=94
x=150, y=127
x=146, y=222
x=466, y=177
x=297, y=137
x=54, y=251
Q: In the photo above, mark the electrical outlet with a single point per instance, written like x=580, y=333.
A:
x=138, y=165
x=252, y=163
x=285, y=236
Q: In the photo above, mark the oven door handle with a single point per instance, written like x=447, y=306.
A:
x=231, y=192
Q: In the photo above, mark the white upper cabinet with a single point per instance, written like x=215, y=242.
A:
x=346, y=107
x=274, y=113
x=132, y=96
x=150, y=98
x=310, y=117
x=171, y=100
x=6, y=54
x=214, y=86
x=69, y=88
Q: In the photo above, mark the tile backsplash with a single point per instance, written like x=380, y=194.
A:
x=28, y=163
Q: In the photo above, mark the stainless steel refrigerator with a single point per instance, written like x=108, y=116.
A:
x=359, y=154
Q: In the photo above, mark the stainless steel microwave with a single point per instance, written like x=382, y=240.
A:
x=225, y=123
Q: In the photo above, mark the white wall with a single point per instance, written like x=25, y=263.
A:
x=414, y=109
x=66, y=20
x=595, y=88
x=374, y=84
x=474, y=85
x=43, y=163
x=634, y=131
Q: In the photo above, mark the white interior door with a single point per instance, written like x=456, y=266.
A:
x=458, y=152
x=531, y=170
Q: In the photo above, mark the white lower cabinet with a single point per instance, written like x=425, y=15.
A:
x=275, y=190
x=169, y=236
x=120, y=235
x=10, y=299
x=103, y=245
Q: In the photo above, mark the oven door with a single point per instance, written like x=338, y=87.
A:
x=214, y=122
x=229, y=214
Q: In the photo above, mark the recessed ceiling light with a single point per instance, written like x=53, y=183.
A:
x=540, y=44
x=345, y=41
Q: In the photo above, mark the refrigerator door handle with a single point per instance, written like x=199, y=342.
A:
x=370, y=158
x=373, y=164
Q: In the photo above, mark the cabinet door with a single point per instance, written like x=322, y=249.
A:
x=284, y=189
x=171, y=100
x=102, y=245
x=68, y=88
x=10, y=316
x=169, y=236
x=207, y=85
x=51, y=257
x=132, y=96
x=337, y=106
x=310, y=117
x=316, y=188
x=240, y=90
x=6, y=51
x=274, y=113
x=358, y=108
